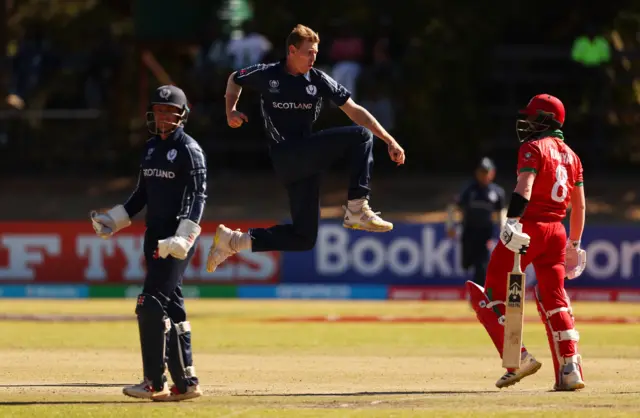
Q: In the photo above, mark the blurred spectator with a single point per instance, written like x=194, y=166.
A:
x=33, y=59
x=592, y=52
x=213, y=48
x=103, y=64
x=591, y=49
x=346, y=53
x=377, y=79
x=247, y=47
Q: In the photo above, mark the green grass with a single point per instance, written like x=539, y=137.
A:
x=252, y=368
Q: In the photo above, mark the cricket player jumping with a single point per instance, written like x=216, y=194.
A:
x=292, y=95
x=549, y=178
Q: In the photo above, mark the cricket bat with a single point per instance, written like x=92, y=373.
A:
x=514, y=316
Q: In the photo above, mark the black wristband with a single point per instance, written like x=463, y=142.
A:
x=517, y=206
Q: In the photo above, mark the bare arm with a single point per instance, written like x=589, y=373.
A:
x=232, y=94
x=362, y=117
x=578, y=213
x=525, y=184
x=524, y=189
x=502, y=217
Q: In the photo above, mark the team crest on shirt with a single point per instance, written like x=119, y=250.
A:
x=311, y=90
x=149, y=152
x=273, y=86
x=171, y=155
x=493, y=196
x=527, y=155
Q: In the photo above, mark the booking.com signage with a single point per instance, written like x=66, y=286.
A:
x=421, y=254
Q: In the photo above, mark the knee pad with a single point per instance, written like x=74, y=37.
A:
x=180, y=357
x=561, y=333
x=153, y=324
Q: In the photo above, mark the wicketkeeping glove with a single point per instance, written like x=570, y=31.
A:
x=108, y=223
x=575, y=261
x=513, y=238
x=179, y=245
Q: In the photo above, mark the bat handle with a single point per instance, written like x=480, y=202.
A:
x=516, y=263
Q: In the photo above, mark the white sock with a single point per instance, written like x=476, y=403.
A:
x=355, y=205
x=241, y=241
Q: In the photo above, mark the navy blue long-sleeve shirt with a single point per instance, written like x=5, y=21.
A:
x=290, y=104
x=478, y=203
x=172, y=183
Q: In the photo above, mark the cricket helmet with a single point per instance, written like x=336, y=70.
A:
x=543, y=112
x=486, y=164
x=172, y=96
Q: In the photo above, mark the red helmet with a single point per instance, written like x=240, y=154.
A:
x=543, y=112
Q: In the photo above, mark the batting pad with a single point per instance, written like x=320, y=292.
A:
x=180, y=357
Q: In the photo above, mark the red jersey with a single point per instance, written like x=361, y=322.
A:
x=558, y=170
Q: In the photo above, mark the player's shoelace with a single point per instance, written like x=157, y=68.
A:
x=369, y=214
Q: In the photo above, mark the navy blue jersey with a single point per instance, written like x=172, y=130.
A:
x=290, y=104
x=172, y=182
x=478, y=203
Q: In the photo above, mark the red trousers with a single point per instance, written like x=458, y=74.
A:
x=547, y=253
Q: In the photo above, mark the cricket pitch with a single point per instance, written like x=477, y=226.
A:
x=72, y=358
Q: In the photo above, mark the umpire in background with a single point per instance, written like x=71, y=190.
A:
x=480, y=202
x=171, y=184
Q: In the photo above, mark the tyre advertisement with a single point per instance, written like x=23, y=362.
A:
x=413, y=262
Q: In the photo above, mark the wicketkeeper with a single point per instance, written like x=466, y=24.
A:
x=172, y=185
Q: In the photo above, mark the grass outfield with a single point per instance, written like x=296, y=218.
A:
x=250, y=366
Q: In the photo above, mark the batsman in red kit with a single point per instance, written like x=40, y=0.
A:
x=549, y=179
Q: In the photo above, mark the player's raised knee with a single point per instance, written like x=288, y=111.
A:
x=366, y=133
x=306, y=242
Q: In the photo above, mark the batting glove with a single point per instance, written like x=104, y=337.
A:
x=576, y=260
x=179, y=245
x=513, y=238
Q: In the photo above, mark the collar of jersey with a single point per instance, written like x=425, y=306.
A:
x=283, y=67
x=556, y=133
x=174, y=135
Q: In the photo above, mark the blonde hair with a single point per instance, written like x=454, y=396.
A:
x=300, y=34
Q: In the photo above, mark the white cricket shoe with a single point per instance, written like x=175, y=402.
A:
x=365, y=220
x=192, y=392
x=221, y=248
x=144, y=390
x=571, y=374
x=528, y=366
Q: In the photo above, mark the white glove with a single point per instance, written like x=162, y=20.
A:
x=179, y=245
x=575, y=260
x=108, y=223
x=513, y=238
